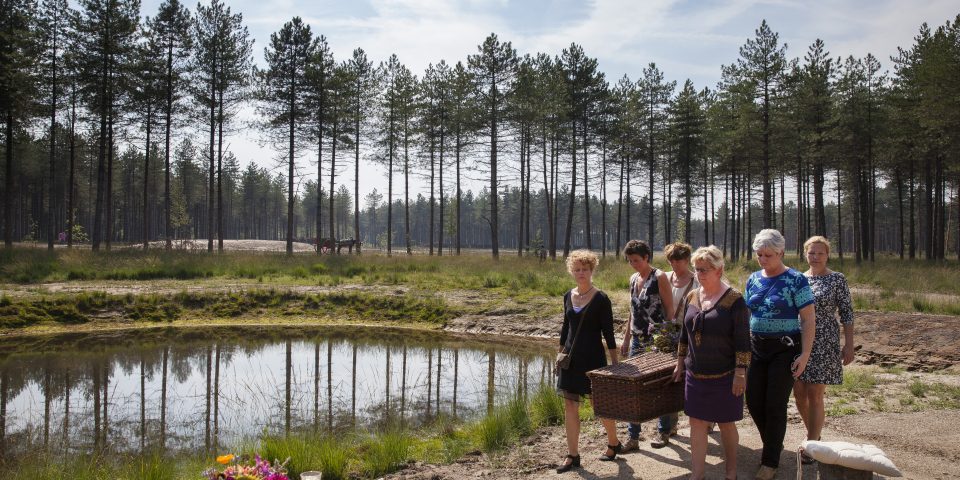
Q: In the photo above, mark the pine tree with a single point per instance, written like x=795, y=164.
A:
x=494, y=68
x=105, y=40
x=282, y=93
x=762, y=61
x=171, y=39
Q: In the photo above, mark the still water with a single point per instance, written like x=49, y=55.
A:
x=187, y=390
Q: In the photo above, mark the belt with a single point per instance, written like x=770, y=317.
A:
x=787, y=340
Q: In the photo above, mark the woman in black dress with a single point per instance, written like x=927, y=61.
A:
x=587, y=316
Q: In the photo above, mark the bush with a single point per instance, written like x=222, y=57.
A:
x=492, y=433
x=309, y=452
x=546, y=407
x=386, y=453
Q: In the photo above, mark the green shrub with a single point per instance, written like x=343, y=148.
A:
x=546, y=407
x=492, y=433
x=386, y=453
x=919, y=389
x=519, y=417
x=309, y=452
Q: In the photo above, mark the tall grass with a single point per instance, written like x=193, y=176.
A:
x=387, y=452
x=546, y=407
x=310, y=452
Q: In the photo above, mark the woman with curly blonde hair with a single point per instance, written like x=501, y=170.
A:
x=587, y=323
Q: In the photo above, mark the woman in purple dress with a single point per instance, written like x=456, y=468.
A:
x=713, y=357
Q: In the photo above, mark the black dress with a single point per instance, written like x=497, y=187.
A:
x=588, y=353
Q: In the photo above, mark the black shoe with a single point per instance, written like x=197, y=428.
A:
x=566, y=467
x=615, y=448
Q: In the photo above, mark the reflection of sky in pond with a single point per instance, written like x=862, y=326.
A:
x=394, y=379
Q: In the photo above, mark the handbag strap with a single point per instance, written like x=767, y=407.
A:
x=580, y=324
x=683, y=302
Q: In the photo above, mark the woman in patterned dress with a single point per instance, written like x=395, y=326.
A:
x=651, y=302
x=827, y=358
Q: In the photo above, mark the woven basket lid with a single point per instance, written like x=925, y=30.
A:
x=641, y=367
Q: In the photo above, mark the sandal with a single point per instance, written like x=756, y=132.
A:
x=566, y=467
x=618, y=448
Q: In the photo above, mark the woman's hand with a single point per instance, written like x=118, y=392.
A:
x=625, y=347
x=799, y=365
x=847, y=353
x=677, y=372
x=739, y=383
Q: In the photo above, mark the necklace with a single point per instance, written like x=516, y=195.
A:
x=580, y=295
x=712, y=299
x=584, y=293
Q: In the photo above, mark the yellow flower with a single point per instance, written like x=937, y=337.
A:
x=225, y=459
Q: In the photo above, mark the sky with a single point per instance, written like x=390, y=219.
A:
x=686, y=39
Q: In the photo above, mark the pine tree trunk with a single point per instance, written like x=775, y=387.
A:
x=166, y=149
x=406, y=182
x=356, y=169
x=442, y=225
x=8, y=186
x=213, y=126
x=457, y=149
x=220, y=120
x=623, y=164
x=290, y=168
x=146, y=182
x=108, y=240
x=432, y=197
x=586, y=190
x=331, y=215
x=573, y=194
x=70, y=187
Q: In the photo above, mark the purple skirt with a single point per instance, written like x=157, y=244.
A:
x=712, y=399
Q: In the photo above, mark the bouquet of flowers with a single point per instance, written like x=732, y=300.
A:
x=666, y=336
x=237, y=468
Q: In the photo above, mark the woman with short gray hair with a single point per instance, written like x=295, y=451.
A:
x=782, y=326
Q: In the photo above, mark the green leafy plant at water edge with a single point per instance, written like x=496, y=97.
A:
x=310, y=452
x=546, y=407
x=386, y=453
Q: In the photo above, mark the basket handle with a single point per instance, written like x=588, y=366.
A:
x=658, y=380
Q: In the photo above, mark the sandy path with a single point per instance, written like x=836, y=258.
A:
x=933, y=458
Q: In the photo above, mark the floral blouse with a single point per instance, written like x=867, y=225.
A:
x=775, y=302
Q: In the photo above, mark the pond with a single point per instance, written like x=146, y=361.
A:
x=193, y=389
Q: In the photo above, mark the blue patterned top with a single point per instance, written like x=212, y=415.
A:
x=775, y=302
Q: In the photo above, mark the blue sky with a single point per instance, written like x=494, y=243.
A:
x=687, y=39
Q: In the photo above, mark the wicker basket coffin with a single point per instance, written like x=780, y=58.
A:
x=637, y=389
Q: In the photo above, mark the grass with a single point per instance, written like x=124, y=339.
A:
x=386, y=453
x=863, y=390
x=855, y=381
x=81, y=308
x=897, y=285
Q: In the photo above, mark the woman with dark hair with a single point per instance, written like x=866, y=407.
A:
x=651, y=303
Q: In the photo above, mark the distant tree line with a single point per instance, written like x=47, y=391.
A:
x=117, y=128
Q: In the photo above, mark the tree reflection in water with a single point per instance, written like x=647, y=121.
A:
x=192, y=391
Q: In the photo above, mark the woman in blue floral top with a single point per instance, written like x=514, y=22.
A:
x=782, y=326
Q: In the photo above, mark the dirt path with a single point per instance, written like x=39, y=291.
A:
x=932, y=458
